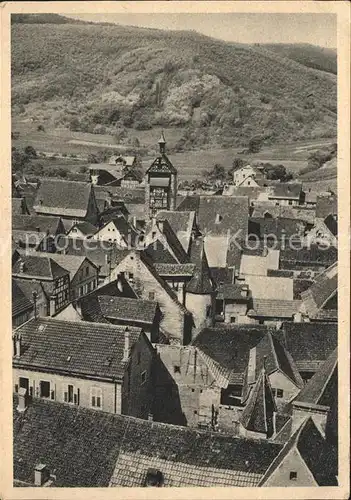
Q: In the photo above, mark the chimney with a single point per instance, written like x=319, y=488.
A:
x=150, y=417
x=41, y=474
x=18, y=345
x=22, y=400
x=126, y=345
x=21, y=266
x=134, y=221
x=52, y=306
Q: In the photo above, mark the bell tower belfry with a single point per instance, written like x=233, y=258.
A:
x=160, y=182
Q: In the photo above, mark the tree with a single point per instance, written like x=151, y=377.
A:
x=255, y=144
x=30, y=152
x=237, y=163
x=218, y=173
x=276, y=172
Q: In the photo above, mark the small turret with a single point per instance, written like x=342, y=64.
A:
x=162, y=143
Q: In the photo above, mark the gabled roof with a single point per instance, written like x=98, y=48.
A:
x=323, y=289
x=201, y=281
x=78, y=348
x=322, y=387
x=234, y=291
x=272, y=308
x=272, y=355
x=71, y=263
x=171, y=239
x=89, y=448
x=84, y=227
x=286, y=190
x=309, y=343
x=313, y=254
x=38, y=266
x=258, y=414
x=20, y=302
x=126, y=230
x=159, y=254
x=181, y=222
x=161, y=164
x=326, y=205
x=218, y=214
x=313, y=450
x=279, y=227
x=70, y=198
x=331, y=224
x=230, y=346
x=123, y=308
x=40, y=223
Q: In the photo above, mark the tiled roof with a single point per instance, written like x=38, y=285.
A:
x=326, y=205
x=29, y=286
x=279, y=227
x=201, y=281
x=37, y=266
x=166, y=269
x=218, y=214
x=313, y=254
x=70, y=263
x=260, y=407
x=291, y=191
x=63, y=197
x=90, y=349
x=85, y=227
x=323, y=289
x=290, y=212
x=20, y=302
x=159, y=254
x=136, y=210
x=271, y=354
x=124, y=308
x=98, y=252
x=309, y=342
x=128, y=194
x=173, y=242
x=231, y=291
x=314, y=451
x=90, y=448
x=40, y=223
x=230, y=346
x=181, y=223
x=274, y=308
x=19, y=206
x=267, y=287
x=322, y=387
x=161, y=164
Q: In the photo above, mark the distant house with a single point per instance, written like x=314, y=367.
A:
x=248, y=176
x=37, y=232
x=72, y=201
x=286, y=194
x=273, y=311
x=103, y=367
x=232, y=303
x=54, y=279
x=22, y=307
x=84, y=274
x=177, y=321
x=306, y=460
x=128, y=452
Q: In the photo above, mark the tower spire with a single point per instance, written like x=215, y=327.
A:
x=162, y=143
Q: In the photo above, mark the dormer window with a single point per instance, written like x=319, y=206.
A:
x=154, y=477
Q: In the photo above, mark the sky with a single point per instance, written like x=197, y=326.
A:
x=316, y=29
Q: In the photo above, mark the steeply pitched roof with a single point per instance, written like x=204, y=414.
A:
x=172, y=241
x=159, y=254
x=286, y=190
x=218, y=214
x=70, y=263
x=70, y=198
x=201, y=281
x=326, y=205
x=162, y=164
x=322, y=387
x=40, y=223
x=272, y=308
x=309, y=343
x=331, y=224
x=258, y=414
x=85, y=228
x=90, y=448
x=323, y=289
x=90, y=349
x=181, y=223
x=314, y=451
x=20, y=302
x=37, y=265
x=230, y=346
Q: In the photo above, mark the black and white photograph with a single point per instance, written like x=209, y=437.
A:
x=174, y=249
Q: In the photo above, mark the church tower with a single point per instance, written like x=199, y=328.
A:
x=161, y=182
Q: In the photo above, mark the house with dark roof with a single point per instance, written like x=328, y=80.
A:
x=319, y=301
x=306, y=460
x=92, y=365
x=309, y=344
x=286, y=193
x=35, y=232
x=307, y=260
x=273, y=311
x=279, y=366
x=160, y=231
x=177, y=321
x=183, y=224
x=54, y=279
x=232, y=303
x=22, y=307
x=324, y=232
x=81, y=230
x=87, y=448
x=70, y=200
x=318, y=396
x=119, y=231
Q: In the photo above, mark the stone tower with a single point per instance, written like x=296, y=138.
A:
x=160, y=182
